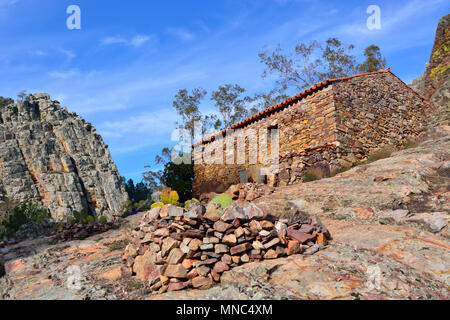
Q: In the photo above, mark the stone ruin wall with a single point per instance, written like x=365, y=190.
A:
x=332, y=128
x=55, y=158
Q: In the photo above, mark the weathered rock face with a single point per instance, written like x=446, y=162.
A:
x=386, y=243
x=434, y=84
x=53, y=157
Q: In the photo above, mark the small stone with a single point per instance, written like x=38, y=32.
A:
x=163, y=289
x=214, y=212
x=207, y=246
x=175, y=211
x=266, y=225
x=221, y=226
x=203, y=270
x=321, y=239
x=299, y=235
x=254, y=212
x=162, y=232
x=194, y=244
x=312, y=250
x=306, y=228
x=245, y=258
x=153, y=214
x=164, y=212
x=221, y=248
x=163, y=279
x=175, y=256
x=175, y=271
x=236, y=259
x=175, y=286
x=153, y=247
x=209, y=240
x=201, y=282
x=239, y=232
x=230, y=239
x=254, y=226
x=271, y=243
x=226, y=258
x=264, y=233
x=240, y=248
x=187, y=263
x=168, y=244
x=192, y=274
x=215, y=276
x=156, y=286
x=293, y=247
x=271, y=254
x=220, y=267
x=205, y=262
x=257, y=245
x=233, y=212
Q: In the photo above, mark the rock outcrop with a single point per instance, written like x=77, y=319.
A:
x=390, y=241
x=55, y=158
x=434, y=84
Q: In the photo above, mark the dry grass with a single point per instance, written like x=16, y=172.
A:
x=313, y=174
x=411, y=143
x=381, y=153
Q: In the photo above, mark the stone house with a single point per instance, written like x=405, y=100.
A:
x=334, y=124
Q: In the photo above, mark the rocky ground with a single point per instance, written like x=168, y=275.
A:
x=389, y=222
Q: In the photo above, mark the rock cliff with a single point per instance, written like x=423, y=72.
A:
x=434, y=84
x=55, y=158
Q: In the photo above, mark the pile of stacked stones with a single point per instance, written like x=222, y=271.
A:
x=174, y=248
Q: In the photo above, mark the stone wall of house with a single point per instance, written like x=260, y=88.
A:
x=334, y=127
x=55, y=158
x=305, y=124
x=375, y=111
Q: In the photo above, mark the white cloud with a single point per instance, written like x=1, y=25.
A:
x=68, y=53
x=181, y=34
x=39, y=53
x=139, y=40
x=64, y=74
x=6, y=3
x=135, y=41
x=113, y=40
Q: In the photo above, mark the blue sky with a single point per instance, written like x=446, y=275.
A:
x=123, y=68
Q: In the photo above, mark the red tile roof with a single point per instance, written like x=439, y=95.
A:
x=286, y=102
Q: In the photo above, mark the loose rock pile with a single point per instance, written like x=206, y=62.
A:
x=174, y=248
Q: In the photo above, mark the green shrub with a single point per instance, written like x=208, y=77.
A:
x=193, y=200
x=126, y=208
x=223, y=199
x=90, y=219
x=24, y=213
x=170, y=196
x=157, y=204
x=80, y=217
x=103, y=219
x=313, y=174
